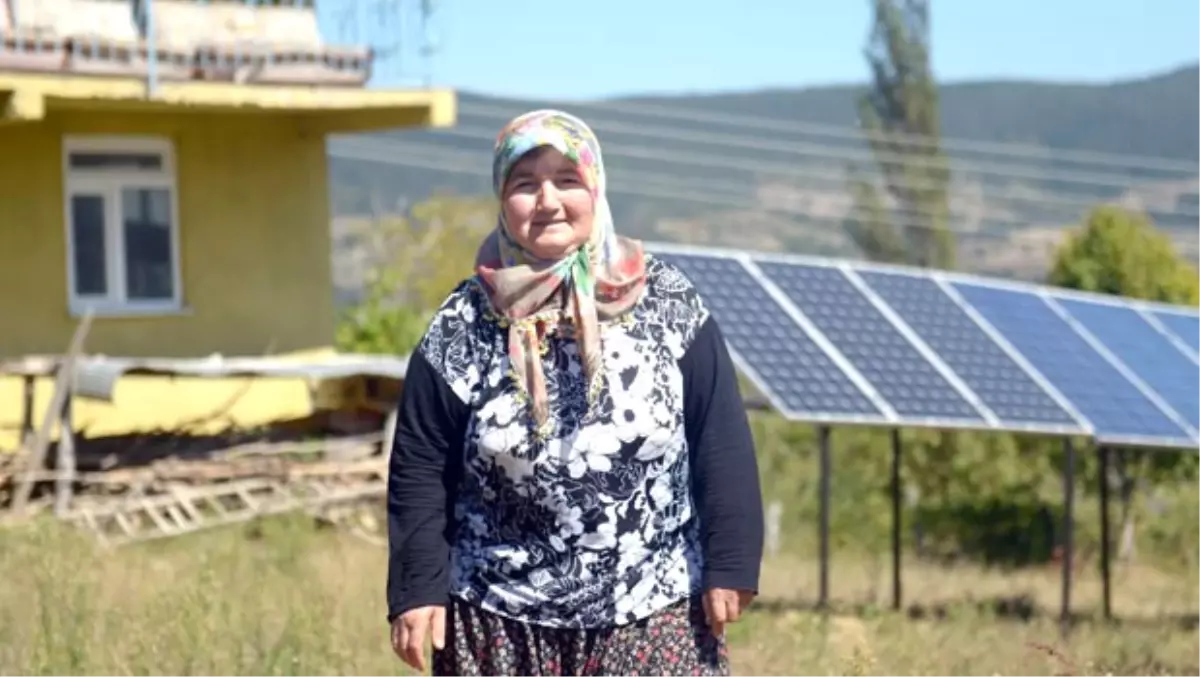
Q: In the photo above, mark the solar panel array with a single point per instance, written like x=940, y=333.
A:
x=857, y=343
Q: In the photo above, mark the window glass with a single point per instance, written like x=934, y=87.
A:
x=146, y=220
x=87, y=236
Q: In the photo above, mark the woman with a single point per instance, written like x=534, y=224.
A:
x=573, y=486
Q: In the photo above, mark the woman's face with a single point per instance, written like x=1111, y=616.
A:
x=548, y=207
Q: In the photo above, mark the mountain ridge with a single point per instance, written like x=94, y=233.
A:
x=763, y=190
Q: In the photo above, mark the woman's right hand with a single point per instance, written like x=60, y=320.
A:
x=410, y=629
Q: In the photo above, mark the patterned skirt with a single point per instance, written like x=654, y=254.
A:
x=675, y=641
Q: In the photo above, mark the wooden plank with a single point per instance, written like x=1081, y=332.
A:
x=342, y=445
x=342, y=448
x=29, y=390
x=203, y=472
x=64, y=484
x=35, y=453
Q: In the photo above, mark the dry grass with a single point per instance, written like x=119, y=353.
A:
x=968, y=620
x=285, y=599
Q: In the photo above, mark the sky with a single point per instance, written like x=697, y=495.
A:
x=575, y=49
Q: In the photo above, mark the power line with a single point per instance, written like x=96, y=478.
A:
x=827, y=152
x=776, y=169
x=433, y=157
x=724, y=192
x=760, y=123
x=816, y=175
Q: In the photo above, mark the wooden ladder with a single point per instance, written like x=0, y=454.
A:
x=182, y=509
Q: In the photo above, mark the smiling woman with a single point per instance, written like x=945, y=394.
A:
x=573, y=486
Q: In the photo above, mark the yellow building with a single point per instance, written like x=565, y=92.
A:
x=177, y=187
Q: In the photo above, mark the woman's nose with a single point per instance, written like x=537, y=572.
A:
x=548, y=195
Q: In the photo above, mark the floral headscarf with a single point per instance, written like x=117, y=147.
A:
x=604, y=277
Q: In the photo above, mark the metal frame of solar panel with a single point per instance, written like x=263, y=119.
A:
x=847, y=342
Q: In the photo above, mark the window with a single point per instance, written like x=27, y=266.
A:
x=122, y=225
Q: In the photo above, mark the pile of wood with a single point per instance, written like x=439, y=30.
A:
x=143, y=487
x=340, y=480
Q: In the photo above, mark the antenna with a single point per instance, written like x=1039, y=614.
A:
x=384, y=27
x=429, y=41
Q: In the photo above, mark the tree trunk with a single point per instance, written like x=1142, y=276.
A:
x=1127, y=477
x=1127, y=550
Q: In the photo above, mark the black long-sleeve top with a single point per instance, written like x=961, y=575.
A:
x=647, y=496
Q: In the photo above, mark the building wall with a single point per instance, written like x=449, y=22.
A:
x=253, y=235
x=255, y=259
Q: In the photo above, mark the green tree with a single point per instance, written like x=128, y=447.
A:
x=900, y=119
x=413, y=262
x=1122, y=253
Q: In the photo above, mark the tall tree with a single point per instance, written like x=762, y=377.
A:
x=906, y=221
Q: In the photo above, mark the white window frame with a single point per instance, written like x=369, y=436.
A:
x=109, y=183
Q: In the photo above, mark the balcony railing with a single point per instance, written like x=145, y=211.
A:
x=246, y=41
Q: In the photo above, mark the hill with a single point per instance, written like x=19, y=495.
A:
x=1154, y=116
x=767, y=169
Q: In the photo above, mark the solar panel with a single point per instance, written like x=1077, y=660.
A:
x=1117, y=410
x=999, y=381
x=788, y=364
x=1185, y=327
x=1150, y=355
x=831, y=344
x=871, y=343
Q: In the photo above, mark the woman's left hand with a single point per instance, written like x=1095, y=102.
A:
x=722, y=606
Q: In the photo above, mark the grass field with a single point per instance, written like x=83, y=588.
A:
x=286, y=598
